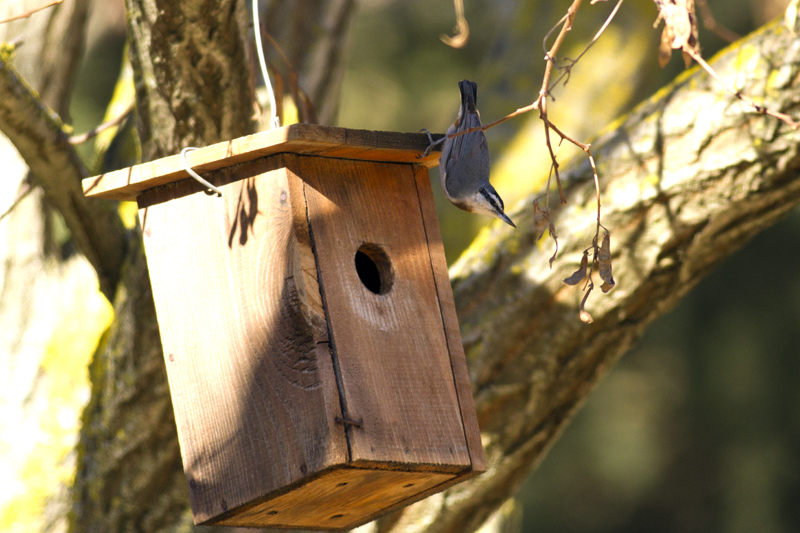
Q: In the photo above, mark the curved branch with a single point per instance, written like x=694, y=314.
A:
x=686, y=180
x=38, y=135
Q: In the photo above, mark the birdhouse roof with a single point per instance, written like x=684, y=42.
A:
x=303, y=139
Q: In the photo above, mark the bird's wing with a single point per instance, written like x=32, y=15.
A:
x=467, y=156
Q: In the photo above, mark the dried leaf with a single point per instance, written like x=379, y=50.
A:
x=584, y=315
x=664, y=49
x=580, y=274
x=540, y=221
x=552, y=228
x=680, y=29
x=554, y=253
x=604, y=262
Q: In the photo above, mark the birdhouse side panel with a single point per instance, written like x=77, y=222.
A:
x=458, y=360
x=251, y=379
x=388, y=335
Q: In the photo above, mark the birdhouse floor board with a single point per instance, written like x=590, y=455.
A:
x=338, y=499
x=308, y=139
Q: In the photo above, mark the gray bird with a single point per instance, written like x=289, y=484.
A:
x=464, y=164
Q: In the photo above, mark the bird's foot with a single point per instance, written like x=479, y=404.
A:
x=432, y=143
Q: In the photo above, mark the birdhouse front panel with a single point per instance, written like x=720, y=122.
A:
x=388, y=333
x=249, y=366
x=309, y=333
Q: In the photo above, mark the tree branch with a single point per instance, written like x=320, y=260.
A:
x=30, y=12
x=687, y=179
x=39, y=137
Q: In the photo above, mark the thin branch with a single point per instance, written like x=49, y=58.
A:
x=38, y=134
x=554, y=161
x=550, y=32
x=29, y=188
x=30, y=12
x=80, y=139
x=584, y=147
x=544, y=91
x=548, y=54
x=758, y=108
x=568, y=68
x=298, y=94
x=570, y=17
x=550, y=176
x=711, y=24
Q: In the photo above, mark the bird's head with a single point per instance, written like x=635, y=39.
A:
x=485, y=201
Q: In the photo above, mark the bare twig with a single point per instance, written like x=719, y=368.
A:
x=550, y=176
x=554, y=161
x=461, y=32
x=25, y=192
x=758, y=108
x=565, y=24
x=30, y=12
x=545, y=89
x=547, y=35
x=568, y=68
x=79, y=139
x=306, y=112
x=548, y=56
x=712, y=25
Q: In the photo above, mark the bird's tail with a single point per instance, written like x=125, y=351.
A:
x=469, y=96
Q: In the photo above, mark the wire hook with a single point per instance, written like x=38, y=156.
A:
x=195, y=175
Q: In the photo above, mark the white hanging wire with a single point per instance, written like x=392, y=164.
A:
x=275, y=121
x=195, y=175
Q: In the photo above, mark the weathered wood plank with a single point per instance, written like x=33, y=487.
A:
x=458, y=360
x=309, y=139
x=338, y=499
x=391, y=348
x=254, y=393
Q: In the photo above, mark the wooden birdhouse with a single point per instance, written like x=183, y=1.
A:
x=308, y=326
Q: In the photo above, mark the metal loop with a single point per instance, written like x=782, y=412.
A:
x=195, y=175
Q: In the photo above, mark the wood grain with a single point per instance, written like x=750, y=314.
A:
x=309, y=139
x=254, y=393
x=391, y=348
x=338, y=499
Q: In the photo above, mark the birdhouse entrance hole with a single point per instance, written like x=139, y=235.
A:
x=374, y=268
x=331, y=386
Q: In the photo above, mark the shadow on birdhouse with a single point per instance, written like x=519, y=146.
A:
x=308, y=326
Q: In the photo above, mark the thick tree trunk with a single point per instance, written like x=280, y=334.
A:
x=192, y=88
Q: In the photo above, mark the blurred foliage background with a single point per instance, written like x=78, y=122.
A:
x=698, y=427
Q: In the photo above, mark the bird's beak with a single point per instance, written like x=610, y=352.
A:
x=504, y=218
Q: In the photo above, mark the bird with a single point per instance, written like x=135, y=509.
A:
x=464, y=163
